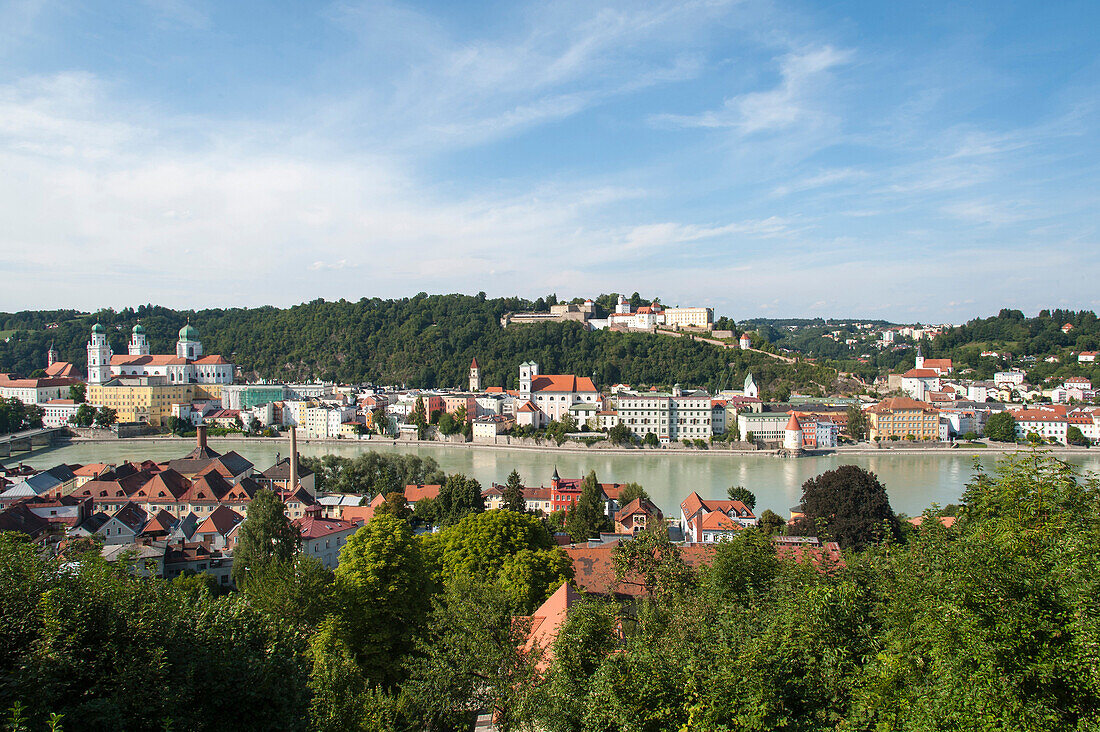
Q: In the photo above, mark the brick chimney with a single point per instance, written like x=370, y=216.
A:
x=200, y=436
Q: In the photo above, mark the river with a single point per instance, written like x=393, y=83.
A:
x=912, y=481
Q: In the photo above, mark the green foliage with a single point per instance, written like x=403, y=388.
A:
x=372, y=473
x=771, y=522
x=587, y=517
x=383, y=592
x=85, y=415
x=459, y=496
x=105, y=417
x=650, y=440
x=512, y=496
x=265, y=537
x=395, y=505
x=511, y=548
x=299, y=591
x=1074, y=436
x=1001, y=427
x=743, y=494
x=621, y=434
x=78, y=393
x=847, y=505
x=16, y=416
x=857, y=423
x=112, y=652
x=631, y=491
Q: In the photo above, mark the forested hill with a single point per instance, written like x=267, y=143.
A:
x=423, y=341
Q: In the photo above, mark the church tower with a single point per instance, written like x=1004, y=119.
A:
x=919, y=363
x=528, y=370
x=99, y=356
x=475, y=376
x=188, y=345
x=51, y=356
x=139, y=342
x=750, y=389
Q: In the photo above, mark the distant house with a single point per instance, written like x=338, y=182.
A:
x=1086, y=357
x=712, y=520
x=323, y=538
x=638, y=515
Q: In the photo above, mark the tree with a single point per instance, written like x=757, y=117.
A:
x=512, y=497
x=631, y=491
x=857, y=423
x=459, y=496
x=651, y=440
x=653, y=563
x=1001, y=427
x=105, y=417
x=384, y=592
x=849, y=506
x=419, y=417
x=447, y=424
x=78, y=393
x=255, y=425
x=265, y=537
x=621, y=434
x=1074, y=436
x=771, y=522
x=84, y=416
x=750, y=437
x=587, y=517
x=740, y=493
x=395, y=505
x=299, y=591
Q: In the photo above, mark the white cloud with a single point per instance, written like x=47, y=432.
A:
x=789, y=103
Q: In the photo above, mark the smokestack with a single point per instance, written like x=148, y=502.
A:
x=200, y=436
x=293, y=459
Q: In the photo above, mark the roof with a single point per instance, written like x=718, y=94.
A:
x=921, y=374
x=414, y=493
x=943, y=364
x=14, y=381
x=167, y=485
x=548, y=619
x=220, y=521
x=211, y=359
x=189, y=333
x=147, y=360
x=20, y=518
x=527, y=407
x=313, y=526
x=899, y=403
x=62, y=370
x=718, y=521
x=638, y=505
x=281, y=470
x=132, y=517
x=561, y=382
x=161, y=523
x=473, y=363
x=792, y=424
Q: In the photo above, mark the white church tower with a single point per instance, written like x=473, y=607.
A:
x=139, y=342
x=528, y=370
x=99, y=356
x=750, y=389
x=792, y=434
x=52, y=356
x=475, y=376
x=188, y=345
x=919, y=363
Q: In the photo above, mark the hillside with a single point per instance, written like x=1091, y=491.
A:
x=423, y=341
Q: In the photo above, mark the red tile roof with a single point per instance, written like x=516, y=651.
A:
x=561, y=382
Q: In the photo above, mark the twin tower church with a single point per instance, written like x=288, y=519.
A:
x=187, y=366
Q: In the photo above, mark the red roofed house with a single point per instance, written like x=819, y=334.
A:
x=638, y=515
x=215, y=529
x=917, y=383
x=546, y=623
x=940, y=365
x=1086, y=357
x=552, y=394
x=712, y=520
x=322, y=537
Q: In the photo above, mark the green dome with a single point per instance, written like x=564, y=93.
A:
x=188, y=333
x=98, y=328
x=139, y=329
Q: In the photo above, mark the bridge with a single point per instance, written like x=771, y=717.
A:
x=29, y=439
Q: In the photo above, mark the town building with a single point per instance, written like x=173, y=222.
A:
x=187, y=366
x=713, y=520
x=35, y=391
x=671, y=416
x=550, y=395
x=322, y=538
x=900, y=417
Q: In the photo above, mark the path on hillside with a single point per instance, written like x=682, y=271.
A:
x=723, y=344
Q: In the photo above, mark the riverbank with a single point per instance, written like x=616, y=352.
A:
x=862, y=450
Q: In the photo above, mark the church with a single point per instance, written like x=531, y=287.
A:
x=187, y=366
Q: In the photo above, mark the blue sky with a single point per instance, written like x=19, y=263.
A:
x=910, y=161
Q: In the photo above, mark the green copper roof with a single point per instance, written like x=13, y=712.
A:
x=98, y=328
x=139, y=329
x=189, y=333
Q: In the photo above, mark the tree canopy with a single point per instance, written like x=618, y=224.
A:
x=847, y=505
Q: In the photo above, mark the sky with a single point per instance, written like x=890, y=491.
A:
x=915, y=162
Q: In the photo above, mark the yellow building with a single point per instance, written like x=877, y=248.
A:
x=141, y=398
x=901, y=416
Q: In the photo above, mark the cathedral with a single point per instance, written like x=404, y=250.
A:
x=187, y=366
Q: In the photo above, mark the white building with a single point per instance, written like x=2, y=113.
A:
x=670, y=416
x=1015, y=377
x=552, y=394
x=56, y=412
x=35, y=391
x=918, y=382
x=187, y=366
x=689, y=318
